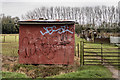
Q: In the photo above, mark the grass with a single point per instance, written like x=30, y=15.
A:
x=0, y=75
x=77, y=39
x=13, y=75
x=9, y=37
x=11, y=49
x=87, y=72
x=39, y=70
x=106, y=48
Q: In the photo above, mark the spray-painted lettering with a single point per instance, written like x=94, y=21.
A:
x=61, y=30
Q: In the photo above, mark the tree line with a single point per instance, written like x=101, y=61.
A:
x=9, y=24
x=95, y=17
x=99, y=17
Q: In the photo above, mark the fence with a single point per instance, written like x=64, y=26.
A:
x=97, y=53
x=9, y=38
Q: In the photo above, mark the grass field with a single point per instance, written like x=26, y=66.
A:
x=87, y=72
x=9, y=38
x=13, y=75
x=11, y=49
x=105, y=48
x=82, y=72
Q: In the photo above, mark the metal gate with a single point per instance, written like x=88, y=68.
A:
x=98, y=54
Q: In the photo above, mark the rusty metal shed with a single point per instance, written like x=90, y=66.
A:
x=46, y=42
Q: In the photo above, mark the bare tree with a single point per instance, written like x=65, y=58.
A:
x=102, y=16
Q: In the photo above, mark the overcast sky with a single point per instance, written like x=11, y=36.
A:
x=19, y=7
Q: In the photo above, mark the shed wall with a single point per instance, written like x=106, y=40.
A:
x=46, y=44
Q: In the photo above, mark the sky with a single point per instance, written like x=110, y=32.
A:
x=19, y=7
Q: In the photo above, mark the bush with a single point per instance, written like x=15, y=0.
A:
x=78, y=28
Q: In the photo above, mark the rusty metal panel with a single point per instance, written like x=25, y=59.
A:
x=46, y=44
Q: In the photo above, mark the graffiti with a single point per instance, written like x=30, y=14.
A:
x=37, y=46
x=51, y=30
x=47, y=45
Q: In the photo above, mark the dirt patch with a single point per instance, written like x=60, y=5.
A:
x=11, y=64
x=115, y=72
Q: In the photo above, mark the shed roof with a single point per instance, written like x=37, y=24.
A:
x=47, y=22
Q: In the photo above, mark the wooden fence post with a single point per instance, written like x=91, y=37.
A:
x=81, y=53
x=75, y=50
x=4, y=38
x=101, y=54
x=78, y=49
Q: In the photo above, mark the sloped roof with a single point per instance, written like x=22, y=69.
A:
x=47, y=22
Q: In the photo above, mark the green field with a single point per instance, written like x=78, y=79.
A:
x=10, y=48
x=82, y=72
x=87, y=72
x=8, y=38
x=105, y=48
x=13, y=75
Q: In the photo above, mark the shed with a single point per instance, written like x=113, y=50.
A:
x=46, y=42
